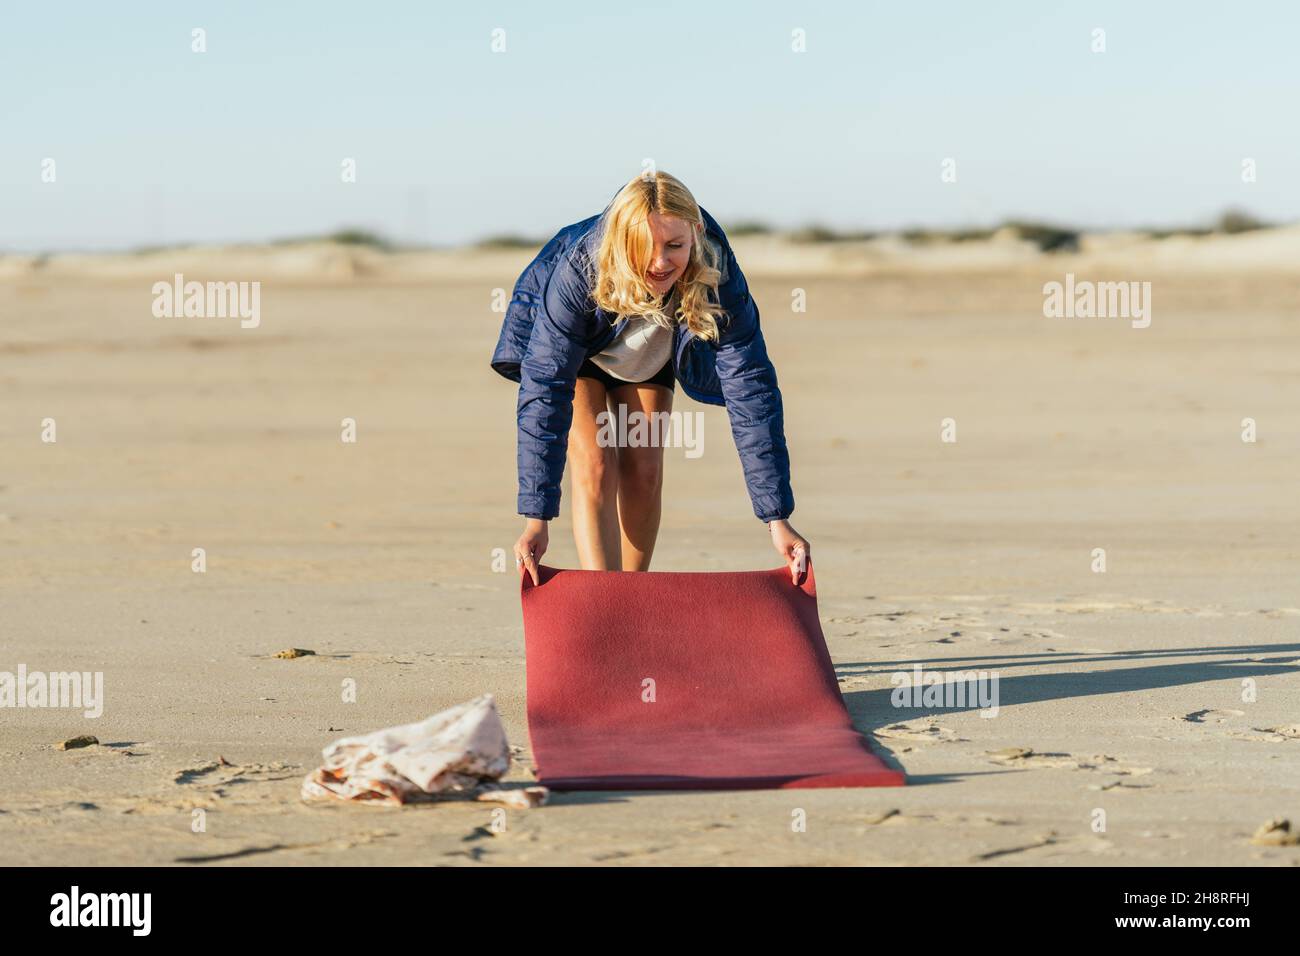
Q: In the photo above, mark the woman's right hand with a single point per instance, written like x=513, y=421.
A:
x=531, y=546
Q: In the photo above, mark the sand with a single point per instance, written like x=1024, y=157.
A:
x=1125, y=686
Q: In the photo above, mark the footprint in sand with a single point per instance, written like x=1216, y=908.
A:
x=921, y=730
x=857, y=680
x=1273, y=612
x=1044, y=634
x=1289, y=731
x=881, y=816
x=894, y=817
x=1092, y=843
x=1273, y=735
x=950, y=627
x=218, y=774
x=1116, y=785
x=1024, y=757
x=1048, y=839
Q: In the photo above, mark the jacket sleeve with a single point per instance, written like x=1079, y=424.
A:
x=753, y=399
x=556, y=348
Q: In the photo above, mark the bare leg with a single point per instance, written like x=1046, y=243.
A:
x=593, y=473
x=640, y=475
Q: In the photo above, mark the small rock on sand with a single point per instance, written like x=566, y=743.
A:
x=1276, y=832
x=73, y=743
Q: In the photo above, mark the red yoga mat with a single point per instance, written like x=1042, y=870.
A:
x=664, y=680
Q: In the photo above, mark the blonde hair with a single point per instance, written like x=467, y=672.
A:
x=627, y=246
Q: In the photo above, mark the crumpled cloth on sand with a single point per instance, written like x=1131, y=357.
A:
x=459, y=752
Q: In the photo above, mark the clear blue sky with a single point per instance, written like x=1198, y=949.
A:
x=155, y=144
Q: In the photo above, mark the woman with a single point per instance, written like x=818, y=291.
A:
x=612, y=310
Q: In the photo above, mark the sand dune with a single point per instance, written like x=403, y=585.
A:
x=774, y=256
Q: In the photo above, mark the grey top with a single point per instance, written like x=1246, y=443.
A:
x=640, y=350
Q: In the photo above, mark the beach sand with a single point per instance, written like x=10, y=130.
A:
x=1072, y=434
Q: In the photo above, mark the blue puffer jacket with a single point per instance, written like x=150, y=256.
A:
x=551, y=327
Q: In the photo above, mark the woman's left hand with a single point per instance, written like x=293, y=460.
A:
x=791, y=545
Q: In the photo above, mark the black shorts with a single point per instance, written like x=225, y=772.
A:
x=590, y=369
